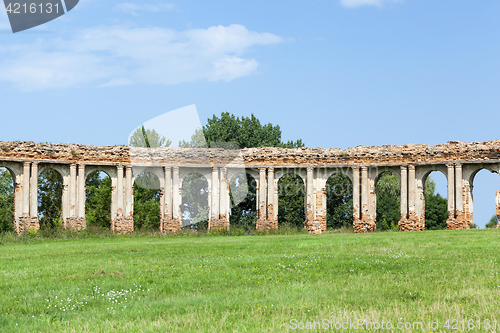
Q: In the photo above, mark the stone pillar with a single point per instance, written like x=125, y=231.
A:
x=356, y=213
x=412, y=195
x=122, y=223
x=167, y=222
x=82, y=223
x=72, y=222
x=34, y=191
x=497, y=199
x=18, y=203
x=65, y=201
x=119, y=191
x=28, y=219
x=26, y=189
x=213, y=222
x=72, y=191
x=311, y=224
x=129, y=186
x=114, y=195
x=451, y=194
x=460, y=220
x=404, y=197
x=224, y=199
x=172, y=220
x=261, y=204
x=272, y=221
x=367, y=221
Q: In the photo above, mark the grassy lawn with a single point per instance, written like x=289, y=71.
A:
x=250, y=283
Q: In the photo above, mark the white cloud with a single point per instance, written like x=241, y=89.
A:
x=115, y=55
x=358, y=3
x=133, y=8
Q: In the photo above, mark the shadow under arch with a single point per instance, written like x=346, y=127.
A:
x=50, y=197
x=147, y=213
x=388, y=200
x=243, y=189
x=98, y=199
x=291, y=200
x=435, y=205
x=483, y=186
x=339, y=201
x=195, y=206
x=7, y=203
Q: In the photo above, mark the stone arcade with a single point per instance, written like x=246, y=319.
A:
x=458, y=161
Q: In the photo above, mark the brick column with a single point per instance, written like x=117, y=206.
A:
x=261, y=204
x=460, y=220
x=451, y=194
x=28, y=219
x=172, y=221
x=497, y=199
x=356, y=212
x=404, y=195
x=122, y=223
x=213, y=221
x=82, y=223
x=367, y=221
x=272, y=221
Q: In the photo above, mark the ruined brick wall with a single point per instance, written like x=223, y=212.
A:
x=383, y=155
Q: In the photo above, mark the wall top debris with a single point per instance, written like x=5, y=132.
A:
x=453, y=151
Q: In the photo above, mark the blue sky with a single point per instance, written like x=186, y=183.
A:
x=335, y=73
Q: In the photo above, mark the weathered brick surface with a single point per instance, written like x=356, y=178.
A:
x=76, y=223
x=382, y=155
x=455, y=225
x=171, y=225
x=28, y=223
x=364, y=226
x=122, y=225
x=411, y=225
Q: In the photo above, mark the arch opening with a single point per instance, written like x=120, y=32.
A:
x=195, y=206
x=436, y=201
x=6, y=201
x=388, y=201
x=484, y=185
x=147, y=201
x=98, y=199
x=291, y=201
x=243, y=190
x=339, y=202
x=50, y=190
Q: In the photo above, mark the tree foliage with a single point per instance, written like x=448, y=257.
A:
x=291, y=200
x=98, y=199
x=148, y=138
x=339, y=201
x=50, y=199
x=147, y=202
x=388, y=191
x=492, y=223
x=6, y=201
x=436, y=207
x=195, y=205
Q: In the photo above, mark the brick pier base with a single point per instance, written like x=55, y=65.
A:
x=123, y=224
x=28, y=223
x=364, y=226
x=76, y=223
x=171, y=225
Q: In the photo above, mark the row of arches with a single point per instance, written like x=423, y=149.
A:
x=195, y=199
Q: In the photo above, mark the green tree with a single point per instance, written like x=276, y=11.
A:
x=388, y=191
x=492, y=223
x=291, y=206
x=339, y=201
x=6, y=201
x=436, y=207
x=50, y=199
x=195, y=206
x=148, y=138
x=245, y=132
x=98, y=200
x=147, y=202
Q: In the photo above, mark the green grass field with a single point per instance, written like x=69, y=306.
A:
x=250, y=283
